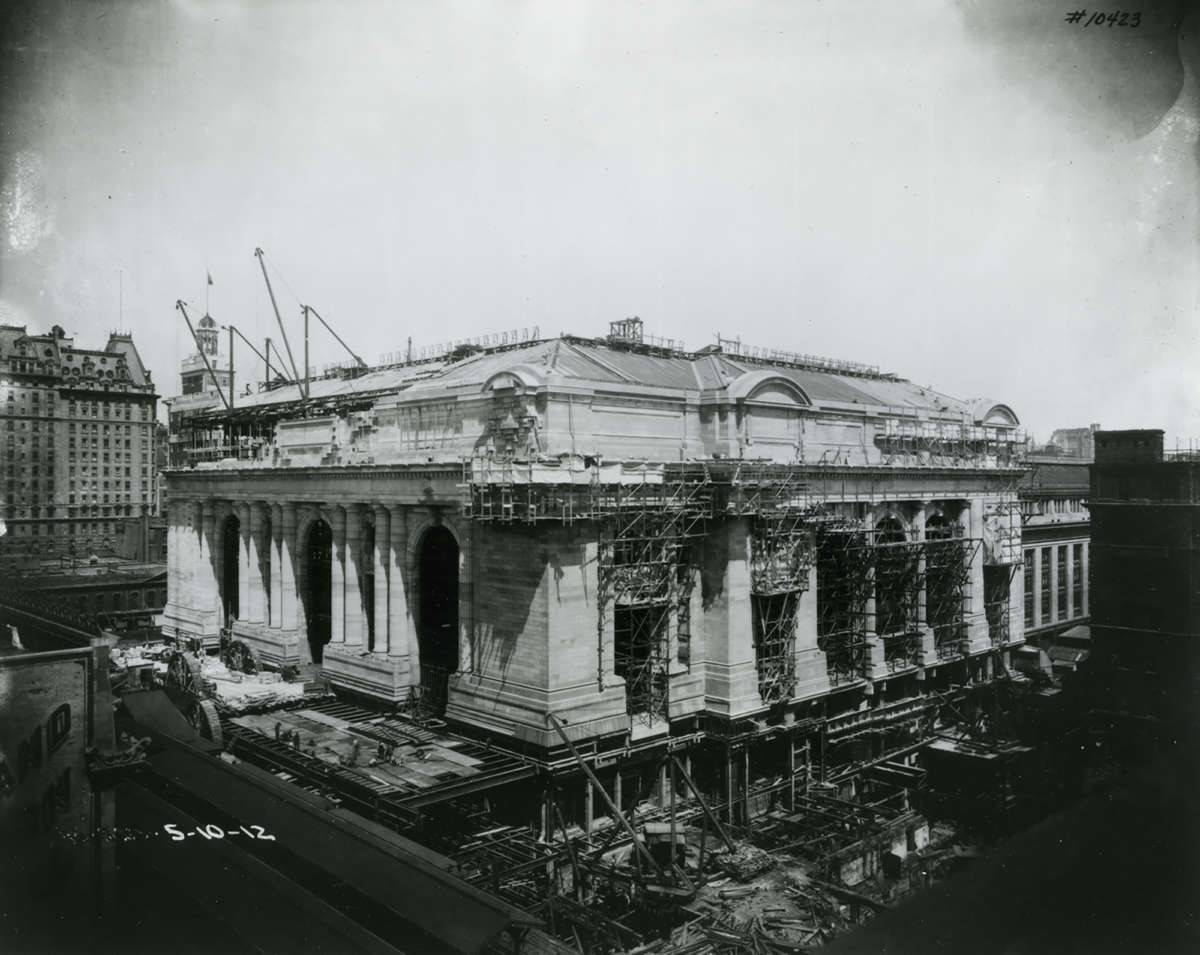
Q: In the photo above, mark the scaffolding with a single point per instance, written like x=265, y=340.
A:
x=948, y=557
x=649, y=519
x=899, y=578
x=911, y=442
x=845, y=584
x=784, y=516
x=1001, y=560
x=646, y=574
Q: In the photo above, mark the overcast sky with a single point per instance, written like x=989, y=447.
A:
x=976, y=195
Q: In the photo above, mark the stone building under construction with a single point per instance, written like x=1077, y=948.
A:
x=768, y=563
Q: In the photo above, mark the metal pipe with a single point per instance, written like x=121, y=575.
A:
x=361, y=363
x=304, y=309
x=250, y=345
x=638, y=845
x=708, y=813
x=278, y=318
x=232, y=389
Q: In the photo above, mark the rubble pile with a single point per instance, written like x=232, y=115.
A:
x=746, y=862
x=237, y=692
x=781, y=912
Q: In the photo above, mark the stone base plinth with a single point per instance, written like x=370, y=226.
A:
x=686, y=694
x=812, y=674
x=371, y=674
x=186, y=622
x=272, y=647
x=732, y=689
x=520, y=712
x=929, y=656
x=876, y=659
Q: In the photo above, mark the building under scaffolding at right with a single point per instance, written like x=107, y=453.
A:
x=770, y=576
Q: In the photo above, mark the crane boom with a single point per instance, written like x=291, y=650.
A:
x=361, y=363
x=278, y=318
x=264, y=358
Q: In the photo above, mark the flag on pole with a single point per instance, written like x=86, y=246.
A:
x=209, y=274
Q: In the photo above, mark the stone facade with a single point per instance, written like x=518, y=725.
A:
x=552, y=431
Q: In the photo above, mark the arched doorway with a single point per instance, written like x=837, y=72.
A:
x=231, y=549
x=318, y=603
x=437, y=632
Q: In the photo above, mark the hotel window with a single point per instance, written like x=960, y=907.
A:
x=1045, y=576
x=1029, y=588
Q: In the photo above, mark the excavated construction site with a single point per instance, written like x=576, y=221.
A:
x=674, y=651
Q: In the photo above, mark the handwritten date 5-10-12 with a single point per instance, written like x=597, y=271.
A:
x=1118, y=18
x=213, y=831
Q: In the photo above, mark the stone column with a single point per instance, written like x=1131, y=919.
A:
x=190, y=570
x=174, y=563
x=383, y=543
x=287, y=565
x=337, y=574
x=276, y=581
x=399, y=619
x=466, y=633
x=208, y=591
x=243, y=515
x=918, y=527
x=256, y=604
x=977, y=627
x=607, y=636
x=355, y=624
x=217, y=546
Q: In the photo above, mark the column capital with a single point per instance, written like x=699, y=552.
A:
x=337, y=519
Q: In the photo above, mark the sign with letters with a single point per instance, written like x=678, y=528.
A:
x=45, y=730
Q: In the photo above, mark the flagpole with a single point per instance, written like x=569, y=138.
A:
x=207, y=286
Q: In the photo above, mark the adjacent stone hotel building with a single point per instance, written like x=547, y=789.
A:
x=77, y=445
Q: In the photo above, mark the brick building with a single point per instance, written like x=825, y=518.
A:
x=77, y=436
x=1146, y=577
x=787, y=557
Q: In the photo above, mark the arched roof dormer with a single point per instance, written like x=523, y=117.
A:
x=767, y=387
x=518, y=377
x=987, y=411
